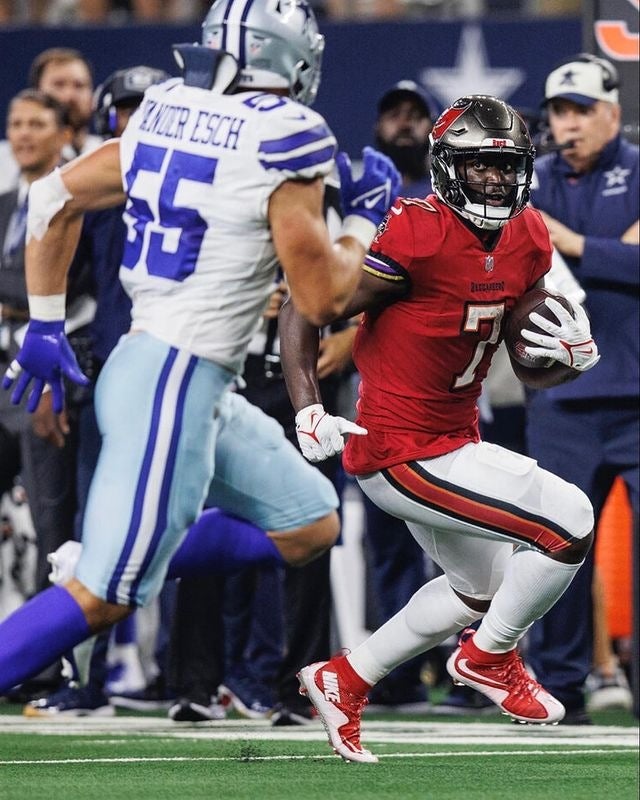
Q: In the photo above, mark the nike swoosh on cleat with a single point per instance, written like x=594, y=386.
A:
x=462, y=666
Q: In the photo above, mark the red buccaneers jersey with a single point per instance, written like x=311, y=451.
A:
x=422, y=359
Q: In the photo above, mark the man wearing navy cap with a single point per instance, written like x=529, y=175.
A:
x=402, y=132
x=587, y=431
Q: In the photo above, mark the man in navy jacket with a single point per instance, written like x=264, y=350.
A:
x=587, y=431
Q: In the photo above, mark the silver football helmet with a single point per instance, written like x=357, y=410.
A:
x=485, y=128
x=275, y=42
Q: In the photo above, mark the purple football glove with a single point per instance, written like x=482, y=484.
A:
x=374, y=191
x=45, y=357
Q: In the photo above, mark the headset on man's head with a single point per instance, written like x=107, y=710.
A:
x=124, y=87
x=610, y=77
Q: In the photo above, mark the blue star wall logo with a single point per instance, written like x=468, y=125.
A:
x=472, y=73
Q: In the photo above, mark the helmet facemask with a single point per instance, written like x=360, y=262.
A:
x=487, y=204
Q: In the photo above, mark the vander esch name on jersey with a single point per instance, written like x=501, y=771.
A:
x=162, y=119
x=220, y=130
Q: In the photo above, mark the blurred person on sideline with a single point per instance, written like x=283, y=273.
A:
x=588, y=431
x=37, y=131
x=66, y=75
x=403, y=124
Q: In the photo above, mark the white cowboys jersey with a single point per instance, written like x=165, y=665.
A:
x=199, y=168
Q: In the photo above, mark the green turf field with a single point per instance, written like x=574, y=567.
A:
x=147, y=756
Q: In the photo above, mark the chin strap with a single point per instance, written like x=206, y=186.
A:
x=204, y=68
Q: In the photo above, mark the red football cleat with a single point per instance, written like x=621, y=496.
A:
x=339, y=706
x=503, y=678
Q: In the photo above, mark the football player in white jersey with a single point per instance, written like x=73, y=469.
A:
x=222, y=173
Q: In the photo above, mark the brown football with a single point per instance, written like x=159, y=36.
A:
x=518, y=318
x=536, y=373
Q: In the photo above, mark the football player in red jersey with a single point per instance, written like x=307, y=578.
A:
x=436, y=284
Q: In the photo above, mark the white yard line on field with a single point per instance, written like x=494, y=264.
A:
x=192, y=759
x=118, y=729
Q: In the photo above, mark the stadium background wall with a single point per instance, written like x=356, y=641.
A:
x=506, y=58
x=610, y=29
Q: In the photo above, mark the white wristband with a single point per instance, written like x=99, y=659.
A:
x=47, y=308
x=360, y=228
x=46, y=197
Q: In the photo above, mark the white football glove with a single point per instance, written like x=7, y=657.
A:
x=569, y=342
x=320, y=434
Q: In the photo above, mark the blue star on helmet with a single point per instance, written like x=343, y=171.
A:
x=567, y=78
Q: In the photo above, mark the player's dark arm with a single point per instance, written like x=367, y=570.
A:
x=299, y=338
x=299, y=356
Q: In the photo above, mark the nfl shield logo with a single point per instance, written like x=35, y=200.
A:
x=488, y=264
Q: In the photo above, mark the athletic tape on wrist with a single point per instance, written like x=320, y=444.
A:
x=46, y=197
x=360, y=228
x=47, y=308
